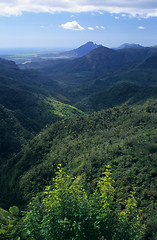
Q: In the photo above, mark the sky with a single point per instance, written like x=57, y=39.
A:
x=67, y=24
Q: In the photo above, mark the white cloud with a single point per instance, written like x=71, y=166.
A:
x=141, y=27
x=101, y=13
x=143, y=8
x=116, y=17
x=72, y=26
x=90, y=28
x=102, y=27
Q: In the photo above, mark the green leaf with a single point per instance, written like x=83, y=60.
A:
x=25, y=234
x=14, y=210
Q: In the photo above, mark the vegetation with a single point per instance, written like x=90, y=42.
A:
x=12, y=134
x=123, y=137
x=65, y=211
x=122, y=93
x=96, y=81
x=25, y=108
x=9, y=223
x=40, y=128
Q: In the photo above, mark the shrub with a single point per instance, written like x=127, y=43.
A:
x=65, y=212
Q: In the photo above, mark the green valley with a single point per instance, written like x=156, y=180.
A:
x=66, y=125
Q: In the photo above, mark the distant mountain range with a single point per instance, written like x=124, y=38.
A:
x=129, y=45
x=98, y=71
x=50, y=59
x=40, y=59
x=98, y=62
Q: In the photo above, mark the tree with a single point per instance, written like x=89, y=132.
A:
x=65, y=212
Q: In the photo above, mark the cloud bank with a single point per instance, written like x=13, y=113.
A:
x=144, y=8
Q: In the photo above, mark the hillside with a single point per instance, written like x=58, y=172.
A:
x=123, y=137
x=127, y=85
x=25, y=107
x=24, y=92
x=96, y=80
x=100, y=70
x=121, y=93
x=143, y=73
x=12, y=134
x=96, y=63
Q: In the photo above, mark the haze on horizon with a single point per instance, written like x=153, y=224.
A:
x=69, y=24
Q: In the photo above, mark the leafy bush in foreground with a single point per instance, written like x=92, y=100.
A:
x=65, y=212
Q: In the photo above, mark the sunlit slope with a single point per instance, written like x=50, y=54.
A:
x=123, y=137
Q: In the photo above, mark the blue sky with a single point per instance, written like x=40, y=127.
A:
x=69, y=23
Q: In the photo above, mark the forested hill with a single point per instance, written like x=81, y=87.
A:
x=130, y=85
x=12, y=134
x=123, y=137
x=25, y=107
x=98, y=62
x=101, y=78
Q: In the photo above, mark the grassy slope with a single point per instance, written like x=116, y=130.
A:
x=124, y=137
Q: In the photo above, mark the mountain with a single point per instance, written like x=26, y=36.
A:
x=122, y=137
x=130, y=85
x=82, y=50
x=100, y=70
x=86, y=82
x=96, y=63
x=129, y=45
x=51, y=59
x=77, y=74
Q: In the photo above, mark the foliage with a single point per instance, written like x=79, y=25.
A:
x=123, y=137
x=67, y=212
x=9, y=223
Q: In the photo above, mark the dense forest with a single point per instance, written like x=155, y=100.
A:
x=85, y=136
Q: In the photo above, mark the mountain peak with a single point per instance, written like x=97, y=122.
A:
x=90, y=43
x=85, y=48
